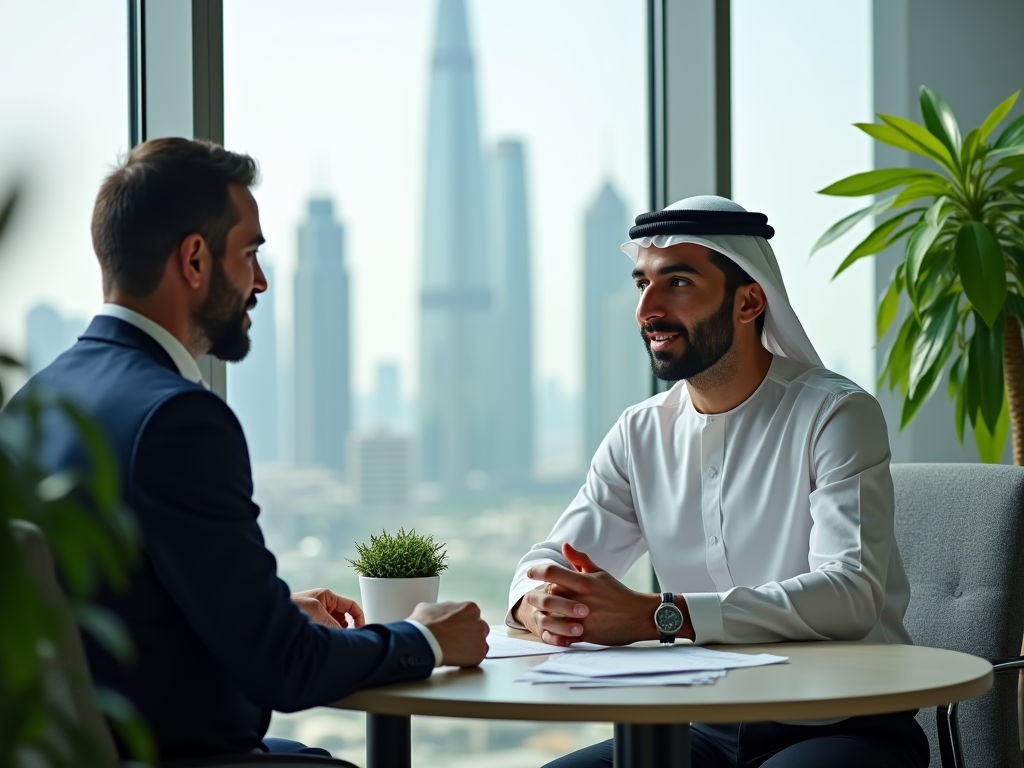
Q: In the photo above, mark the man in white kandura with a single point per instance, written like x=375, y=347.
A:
x=759, y=484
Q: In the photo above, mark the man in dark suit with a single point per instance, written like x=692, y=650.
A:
x=220, y=641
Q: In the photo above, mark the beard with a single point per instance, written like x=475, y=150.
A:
x=709, y=342
x=221, y=317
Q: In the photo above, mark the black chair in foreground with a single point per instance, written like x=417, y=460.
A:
x=960, y=529
x=69, y=663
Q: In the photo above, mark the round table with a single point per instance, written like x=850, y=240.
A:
x=820, y=681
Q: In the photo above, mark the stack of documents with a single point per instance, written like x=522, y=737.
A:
x=503, y=647
x=643, y=666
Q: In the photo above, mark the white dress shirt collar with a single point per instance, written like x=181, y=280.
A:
x=184, y=361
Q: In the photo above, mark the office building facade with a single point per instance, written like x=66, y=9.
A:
x=509, y=235
x=322, y=348
x=455, y=412
x=615, y=374
x=252, y=383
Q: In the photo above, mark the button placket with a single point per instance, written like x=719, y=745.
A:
x=712, y=456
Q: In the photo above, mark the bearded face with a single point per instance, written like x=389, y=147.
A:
x=706, y=343
x=222, y=317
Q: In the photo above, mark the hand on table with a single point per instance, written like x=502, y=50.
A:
x=328, y=609
x=459, y=630
x=589, y=604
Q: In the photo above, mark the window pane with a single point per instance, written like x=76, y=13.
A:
x=801, y=75
x=445, y=187
x=64, y=91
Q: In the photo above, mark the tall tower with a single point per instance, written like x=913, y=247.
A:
x=252, y=383
x=508, y=231
x=456, y=425
x=322, y=346
x=615, y=372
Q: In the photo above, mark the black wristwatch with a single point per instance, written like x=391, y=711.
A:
x=668, y=618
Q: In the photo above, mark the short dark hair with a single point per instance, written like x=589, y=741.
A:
x=735, y=276
x=164, y=191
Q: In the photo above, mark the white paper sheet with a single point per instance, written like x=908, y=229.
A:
x=652, y=661
x=626, y=681
x=503, y=647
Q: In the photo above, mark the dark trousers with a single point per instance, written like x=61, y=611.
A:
x=876, y=741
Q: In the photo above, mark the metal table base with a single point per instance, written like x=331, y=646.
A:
x=389, y=744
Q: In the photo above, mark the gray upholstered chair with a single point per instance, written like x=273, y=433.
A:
x=76, y=702
x=960, y=529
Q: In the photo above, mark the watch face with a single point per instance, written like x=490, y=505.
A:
x=668, y=618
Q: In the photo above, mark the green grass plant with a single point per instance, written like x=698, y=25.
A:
x=406, y=555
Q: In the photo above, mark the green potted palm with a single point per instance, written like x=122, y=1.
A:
x=94, y=541
x=961, y=275
x=397, y=572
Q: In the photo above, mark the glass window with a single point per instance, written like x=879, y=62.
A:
x=445, y=187
x=801, y=75
x=64, y=91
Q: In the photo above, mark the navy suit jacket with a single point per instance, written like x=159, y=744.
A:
x=219, y=642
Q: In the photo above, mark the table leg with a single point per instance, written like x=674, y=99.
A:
x=388, y=741
x=651, y=746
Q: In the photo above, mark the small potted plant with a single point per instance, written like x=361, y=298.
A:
x=398, y=572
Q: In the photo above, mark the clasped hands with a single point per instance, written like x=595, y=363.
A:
x=589, y=604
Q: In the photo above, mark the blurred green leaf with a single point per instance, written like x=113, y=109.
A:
x=130, y=726
x=982, y=270
x=995, y=117
x=872, y=182
x=940, y=120
x=927, y=144
x=1012, y=135
x=897, y=361
x=843, y=226
x=985, y=371
x=991, y=443
x=919, y=189
x=879, y=239
x=7, y=208
x=108, y=630
x=932, y=348
x=920, y=243
x=887, y=307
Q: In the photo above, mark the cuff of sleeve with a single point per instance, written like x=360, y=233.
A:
x=515, y=595
x=706, y=617
x=429, y=637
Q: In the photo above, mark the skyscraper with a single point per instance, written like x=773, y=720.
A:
x=252, y=384
x=322, y=345
x=508, y=234
x=616, y=372
x=456, y=413
x=47, y=334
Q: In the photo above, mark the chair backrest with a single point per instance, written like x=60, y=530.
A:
x=960, y=529
x=68, y=663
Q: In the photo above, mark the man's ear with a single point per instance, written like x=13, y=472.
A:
x=192, y=260
x=753, y=302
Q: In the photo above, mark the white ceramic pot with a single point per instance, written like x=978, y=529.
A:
x=387, y=600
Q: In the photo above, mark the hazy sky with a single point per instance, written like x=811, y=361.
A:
x=330, y=96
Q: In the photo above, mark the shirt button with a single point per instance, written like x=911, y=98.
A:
x=712, y=472
x=713, y=540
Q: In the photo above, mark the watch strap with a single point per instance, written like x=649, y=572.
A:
x=667, y=637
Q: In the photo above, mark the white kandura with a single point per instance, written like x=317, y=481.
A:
x=774, y=519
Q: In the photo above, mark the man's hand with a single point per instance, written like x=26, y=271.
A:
x=459, y=630
x=328, y=609
x=589, y=604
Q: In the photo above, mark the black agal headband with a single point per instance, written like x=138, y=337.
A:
x=684, y=222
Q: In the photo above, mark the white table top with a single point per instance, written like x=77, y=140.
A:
x=821, y=680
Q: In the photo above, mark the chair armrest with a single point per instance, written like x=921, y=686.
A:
x=1011, y=664
x=264, y=760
